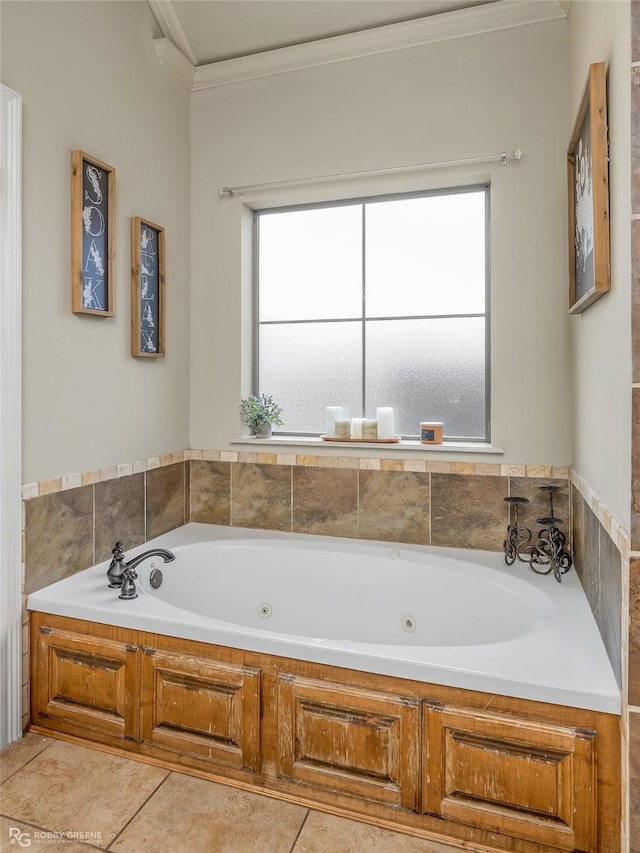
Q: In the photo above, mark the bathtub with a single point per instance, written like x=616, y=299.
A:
x=439, y=615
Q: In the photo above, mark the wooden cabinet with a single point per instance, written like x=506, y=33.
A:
x=348, y=739
x=521, y=778
x=195, y=706
x=84, y=682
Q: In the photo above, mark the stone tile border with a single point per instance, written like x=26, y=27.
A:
x=619, y=536
x=614, y=529
x=364, y=463
x=101, y=475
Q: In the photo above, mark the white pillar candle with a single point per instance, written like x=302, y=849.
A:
x=333, y=414
x=384, y=416
x=356, y=427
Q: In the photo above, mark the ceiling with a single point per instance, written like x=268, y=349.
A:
x=215, y=30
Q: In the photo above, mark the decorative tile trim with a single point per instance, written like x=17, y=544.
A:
x=101, y=475
x=614, y=529
x=364, y=463
x=72, y=481
x=368, y=463
x=30, y=490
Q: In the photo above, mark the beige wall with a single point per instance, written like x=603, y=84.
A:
x=454, y=99
x=90, y=80
x=601, y=336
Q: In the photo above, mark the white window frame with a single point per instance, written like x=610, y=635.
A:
x=484, y=186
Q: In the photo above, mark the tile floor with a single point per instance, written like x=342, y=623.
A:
x=60, y=796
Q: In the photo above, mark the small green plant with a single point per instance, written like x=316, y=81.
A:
x=260, y=412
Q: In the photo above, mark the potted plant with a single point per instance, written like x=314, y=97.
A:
x=260, y=413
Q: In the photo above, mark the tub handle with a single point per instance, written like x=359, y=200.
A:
x=128, y=584
x=116, y=567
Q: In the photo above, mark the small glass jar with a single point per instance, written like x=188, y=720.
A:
x=431, y=432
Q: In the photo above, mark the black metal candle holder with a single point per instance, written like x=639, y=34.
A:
x=548, y=553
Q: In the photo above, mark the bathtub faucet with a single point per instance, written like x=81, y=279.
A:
x=122, y=574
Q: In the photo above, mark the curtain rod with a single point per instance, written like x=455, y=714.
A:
x=229, y=192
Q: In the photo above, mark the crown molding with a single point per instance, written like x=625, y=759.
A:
x=499, y=15
x=175, y=62
x=166, y=15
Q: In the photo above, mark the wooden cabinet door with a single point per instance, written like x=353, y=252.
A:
x=203, y=708
x=348, y=739
x=530, y=780
x=82, y=682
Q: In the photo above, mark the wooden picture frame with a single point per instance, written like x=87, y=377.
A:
x=147, y=288
x=92, y=235
x=588, y=183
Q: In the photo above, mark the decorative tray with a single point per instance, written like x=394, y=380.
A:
x=393, y=440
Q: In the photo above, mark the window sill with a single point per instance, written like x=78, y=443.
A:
x=402, y=445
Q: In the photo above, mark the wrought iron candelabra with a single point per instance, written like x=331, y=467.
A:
x=548, y=552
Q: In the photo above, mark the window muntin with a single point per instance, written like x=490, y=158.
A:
x=376, y=302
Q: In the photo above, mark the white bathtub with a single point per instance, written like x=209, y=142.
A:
x=440, y=615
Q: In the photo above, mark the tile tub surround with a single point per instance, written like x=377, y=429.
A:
x=165, y=499
x=363, y=498
x=261, y=496
x=599, y=565
x=119, y=505
x=395, y=506
x=68, y=530
x=58, y=536
x=325, y=501
x=412, y=501
x=469, y=511
x=634, y=632
x=635, y=465
x=634, y=780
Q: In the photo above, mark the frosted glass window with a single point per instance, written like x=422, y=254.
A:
x=309, y=366
x=310, y=264
x=377, y=302
x=415, y=262
x=429, y=370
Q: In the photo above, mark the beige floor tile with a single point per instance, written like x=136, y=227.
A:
x=323, y=833
x=72, y=788
x=188, y=815
x=15, y=835
x=17, y=754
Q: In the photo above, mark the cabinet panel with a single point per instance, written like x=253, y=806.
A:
x=85, y=681
x=414, y=755
x=200, y=707
x=534, y=781
x=349, y=739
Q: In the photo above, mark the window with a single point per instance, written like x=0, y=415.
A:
x=376, y=302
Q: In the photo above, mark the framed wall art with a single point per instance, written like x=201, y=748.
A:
x=92, y=235
x=147, y=288
x=588, y=179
